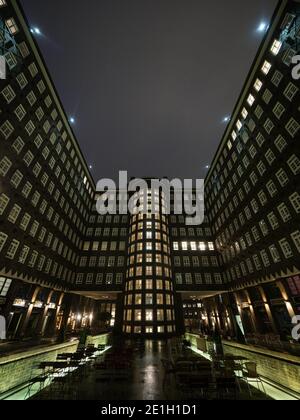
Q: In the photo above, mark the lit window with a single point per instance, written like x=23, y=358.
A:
x=239, y=125
x=175, y=246
x=193, y=246
x=11, y=25
x=266, y=67
x=276, y=47
x=149, y=330
x=211, y=246
x=4, y=286
x=149, y=315
x=250, y=100
x=258, y=85
x=202, y=246
x=2, y=3
x=184, y=246
x=138, y=315
x=244, y=113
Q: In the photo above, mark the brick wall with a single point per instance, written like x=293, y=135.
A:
x=280, y=368
x=17, y=369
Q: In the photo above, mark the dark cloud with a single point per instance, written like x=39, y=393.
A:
x=149, y=81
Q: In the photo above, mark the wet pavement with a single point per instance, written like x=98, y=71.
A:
x=143, y=380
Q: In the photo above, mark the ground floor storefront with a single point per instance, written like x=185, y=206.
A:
x=262, y=315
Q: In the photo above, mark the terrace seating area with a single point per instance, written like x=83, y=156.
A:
x=220, y=377
x=151, y=370
x=63, y=376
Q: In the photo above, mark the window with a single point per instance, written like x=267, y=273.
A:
x=6, y=129
x=14, y=213
x=286, y=248
x=211, y=246
x=294, y=164
x=267, y=96
x=258, y=85
x=263, y=227
x=4, y=283
x=258, y=112
x=275, y=254
x=262, y=198
x=149, y=315
x=4, y=200
x=266, y=67
x=10, y=59
x=16, y=179
x=22, y=81
x=295, y=201
x=2, y=3
x=11, y=26
x=277, y=77
x=270, y=156
x=276, y=46
x=3, y=239
x=12, y=249
x=261, y=168
x=188, y=278
x=18, y=145
x=251, y=100
x=292, y=127
x=288, y=55
x=278, y=110
x=287, y=21
x=23, y=49
x=33, y=70
x=178, y=276
x=282, y=177
x=202, y=246
x=20, y=112
x=280, y=143
x=8, y=94
x=273, y=220
x=244, y=113
x=296, y=238
x=30, y=127
x=290, y=91
x=5, y=166
x=23, y=254
x=284, y=212
x=268, y=125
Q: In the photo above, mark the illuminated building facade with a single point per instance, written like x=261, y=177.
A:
x=62, y=264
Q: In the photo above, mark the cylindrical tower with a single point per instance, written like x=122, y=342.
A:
x=149, y=291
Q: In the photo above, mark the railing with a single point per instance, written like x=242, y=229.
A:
x=273, y=342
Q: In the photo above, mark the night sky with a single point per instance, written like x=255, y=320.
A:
x=149, y=81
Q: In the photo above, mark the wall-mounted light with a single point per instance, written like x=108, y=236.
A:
x=35, y=31
x=262, y=27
